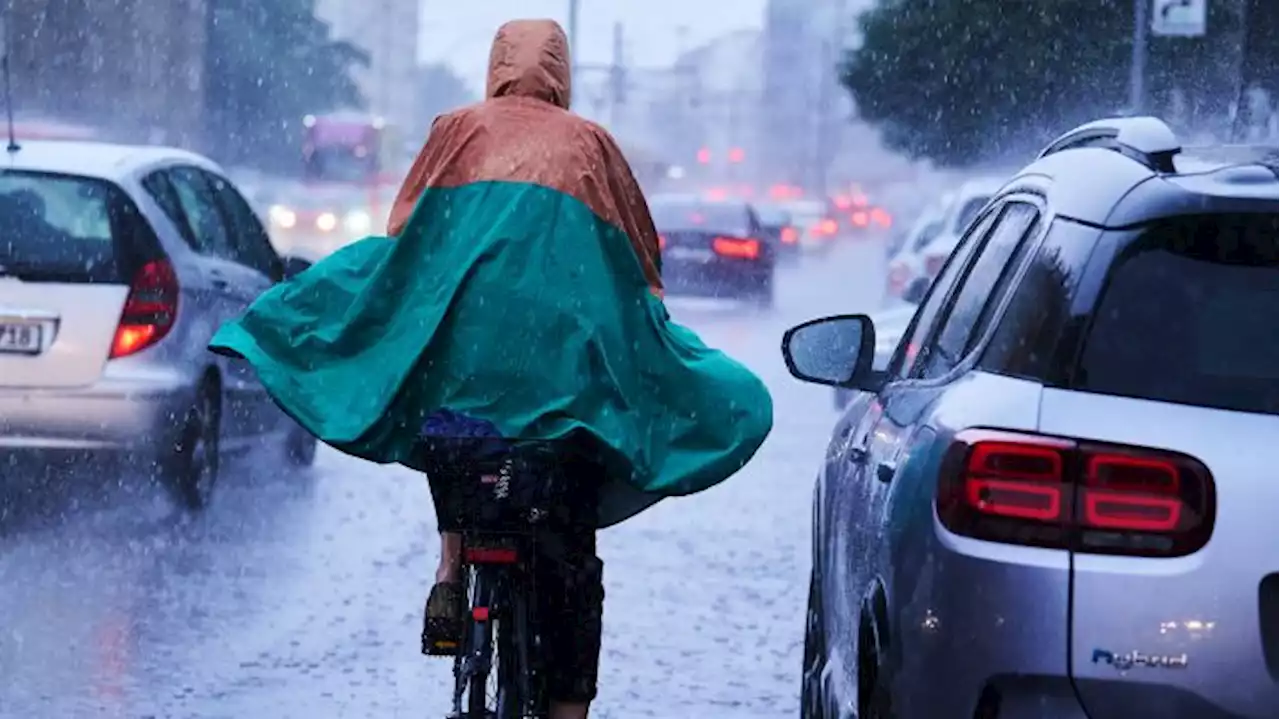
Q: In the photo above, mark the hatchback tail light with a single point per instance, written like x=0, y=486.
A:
x=1086, y=496
x=736, y=248
x=149, y=310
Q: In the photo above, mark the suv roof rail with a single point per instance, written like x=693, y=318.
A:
x=1147, y=140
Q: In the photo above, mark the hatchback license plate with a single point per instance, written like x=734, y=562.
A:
x=24, y=338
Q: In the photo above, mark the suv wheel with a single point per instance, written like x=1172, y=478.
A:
x=812, y=702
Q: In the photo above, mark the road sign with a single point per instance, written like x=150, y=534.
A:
x=1179, y=18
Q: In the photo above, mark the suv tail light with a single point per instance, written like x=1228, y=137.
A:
x=1085, y=496
x=736, y=248
x=149, y=310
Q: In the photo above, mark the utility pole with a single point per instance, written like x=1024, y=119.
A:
x=617, y=75
x=573, y=39
x=1138, y=61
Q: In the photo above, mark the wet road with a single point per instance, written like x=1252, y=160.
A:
x=300, y=595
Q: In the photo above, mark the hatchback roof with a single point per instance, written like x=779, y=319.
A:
x=102, y=160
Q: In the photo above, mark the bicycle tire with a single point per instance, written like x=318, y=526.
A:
x=479, y=660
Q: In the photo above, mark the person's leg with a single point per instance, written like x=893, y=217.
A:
x=572, y=604
x=450, y=566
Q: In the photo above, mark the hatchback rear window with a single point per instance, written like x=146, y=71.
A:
x=729, y=219
x=1189, y=315
x=61, y=228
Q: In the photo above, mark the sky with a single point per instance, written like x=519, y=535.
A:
x=656, y=31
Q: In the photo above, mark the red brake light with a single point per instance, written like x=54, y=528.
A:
x=1090, y=497
x=881, y=217
x=149, y=310
x=662, y=242
x=490, y=555
x=790, y=236
x=826, y=227
x=860, y=218
x=736, y=248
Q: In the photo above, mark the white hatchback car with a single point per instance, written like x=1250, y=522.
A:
x=117, y=264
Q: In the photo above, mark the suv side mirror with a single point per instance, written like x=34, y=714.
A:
x=916, y=291
x=835, y=351
x=294, y=266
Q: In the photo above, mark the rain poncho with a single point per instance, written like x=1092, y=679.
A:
x=520, y=285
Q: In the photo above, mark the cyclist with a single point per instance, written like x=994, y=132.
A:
x=519, y=286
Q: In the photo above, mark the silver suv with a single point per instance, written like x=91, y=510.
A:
x=117, y=263
x=1059, y=498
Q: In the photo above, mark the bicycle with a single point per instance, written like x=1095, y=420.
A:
x=508, y=498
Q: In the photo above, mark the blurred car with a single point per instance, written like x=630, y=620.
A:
x=816, y=226
x=780, y=229
x=1059, y=498
x=316, y=219
x=966, y=201
x=117, y=264
x=906, y=262
x=856, y=217
x=713, y=248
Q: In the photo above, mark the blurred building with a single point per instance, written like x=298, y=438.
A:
x=807, y=112
x=143, y=59
x=388, y=31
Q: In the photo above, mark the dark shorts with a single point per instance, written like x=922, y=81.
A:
x=570, y=585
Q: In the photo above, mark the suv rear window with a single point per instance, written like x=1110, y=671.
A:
x=1189, y=315
x=62, y=228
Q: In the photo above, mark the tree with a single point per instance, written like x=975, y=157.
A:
x=440, y=90
x=973, y=81
x=269, y=64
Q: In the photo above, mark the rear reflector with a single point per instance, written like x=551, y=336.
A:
x=1086, y=496
x=149, y=311
x=736, y=248
x=489, y=555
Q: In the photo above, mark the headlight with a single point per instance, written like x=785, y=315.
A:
x=282, y=216
x=358, y=221
x=326, y=221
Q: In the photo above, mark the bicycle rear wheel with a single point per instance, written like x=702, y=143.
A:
x=490, y=669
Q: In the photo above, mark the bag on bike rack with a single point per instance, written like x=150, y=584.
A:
x=493, y=485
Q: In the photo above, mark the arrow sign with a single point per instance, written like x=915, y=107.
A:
x=1179, y=18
